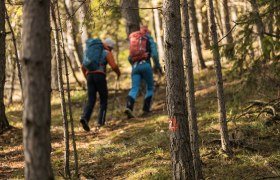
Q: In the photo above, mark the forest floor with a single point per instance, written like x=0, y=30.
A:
x=139, y=148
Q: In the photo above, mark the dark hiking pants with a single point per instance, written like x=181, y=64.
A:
x=96, y=83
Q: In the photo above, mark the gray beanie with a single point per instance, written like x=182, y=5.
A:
x=109, y=42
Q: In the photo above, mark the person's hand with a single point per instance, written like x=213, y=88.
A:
x=160, y=71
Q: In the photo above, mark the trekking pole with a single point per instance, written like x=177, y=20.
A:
x=117, y=86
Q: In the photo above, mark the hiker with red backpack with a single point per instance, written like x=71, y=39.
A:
x=97, y=55
x=142, y=47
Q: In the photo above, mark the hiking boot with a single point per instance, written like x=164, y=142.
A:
x=129, y=113
x=147, y=104
x=85, y=124
x=146, y=113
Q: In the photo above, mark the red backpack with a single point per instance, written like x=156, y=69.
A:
x=137, y=46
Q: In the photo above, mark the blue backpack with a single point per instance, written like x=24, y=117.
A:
x=94, y=56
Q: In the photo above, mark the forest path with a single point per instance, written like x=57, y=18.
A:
x=139, y=148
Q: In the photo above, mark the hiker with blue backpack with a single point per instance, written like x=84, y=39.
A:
x=142, y=47
x=97, y=55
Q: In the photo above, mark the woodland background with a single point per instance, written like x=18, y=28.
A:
x=248, y=42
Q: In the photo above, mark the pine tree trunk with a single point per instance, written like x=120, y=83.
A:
x=72, y=31
x=83, y=25
x=130, y=13
x=73, y=71
x=36, y=89
x=54, y=81
x=182, y=161
x=260, y=28
x=61, y=90
x=4, y=124
x=13, y=75
x=190, y=91
x=16, y=50
x=217, y=17
x=228, y=40
x=195, y=34
x=68, y=97
x=158, y=29
x=219, y=80
x=54, y=77
x=226, y=22
x=205, y=26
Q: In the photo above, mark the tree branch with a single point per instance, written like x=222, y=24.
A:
x=228, y=33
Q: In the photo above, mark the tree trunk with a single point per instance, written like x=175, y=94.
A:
x=260, y=28
x=72, y=32
x=36, y=89
x=158, y=29
x=226, y=22
x=182, y=161
x=16, y=50
x=130, y=12
x=69, y=97
x=205, y=26
x=13, y=75
x=217, y=16
x=190, y=91
x=83, y=26
x=4, y=124
x=61, y=90
x=54, y=77
x=219, y=80
x=228, y=40
x=74, y=72
x=195, y=34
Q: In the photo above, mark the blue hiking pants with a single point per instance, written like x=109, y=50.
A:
x=141, y=70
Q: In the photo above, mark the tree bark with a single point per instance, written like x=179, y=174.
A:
x=83, y=25
x=226, y=22
x=205, y=26
x=260, y=28
x=190, y=91
x=195, y=34
x=130, y=12
x=61, y=90
x=219, y=80
x=54, y=76
x=36, y=89
x=13, y=75
x=158, y=29
x=16, y=50
x=4, y=124
x=69, y=97
x=72, y=32
x=182, y=161
x=217, y=16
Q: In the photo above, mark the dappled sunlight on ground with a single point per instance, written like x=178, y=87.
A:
x=138, y=148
